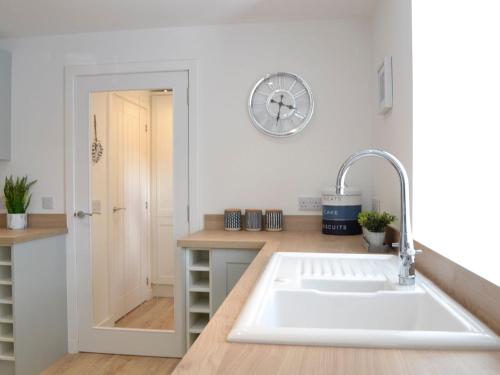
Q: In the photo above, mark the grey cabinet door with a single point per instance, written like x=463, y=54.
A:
x=227, y=267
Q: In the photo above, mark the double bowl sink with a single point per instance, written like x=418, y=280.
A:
x=353, y=300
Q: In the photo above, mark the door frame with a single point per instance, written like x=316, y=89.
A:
x=71, y=74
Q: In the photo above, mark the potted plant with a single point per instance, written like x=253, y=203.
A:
x=17, y=199
x=374, y=225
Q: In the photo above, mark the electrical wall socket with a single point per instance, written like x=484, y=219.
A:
x=310, y=204
x=47, y=203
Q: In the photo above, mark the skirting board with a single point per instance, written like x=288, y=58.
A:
x=162, y=290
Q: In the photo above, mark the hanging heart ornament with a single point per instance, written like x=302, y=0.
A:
x=97, y=149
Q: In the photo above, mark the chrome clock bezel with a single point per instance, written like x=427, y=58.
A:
x=293, y=131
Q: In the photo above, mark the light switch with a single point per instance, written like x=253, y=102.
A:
x=48, y=203
x=96, y=206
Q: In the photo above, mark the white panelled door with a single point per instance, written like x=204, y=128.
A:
x=163, y=244
x=123, y=340
x=128, y=191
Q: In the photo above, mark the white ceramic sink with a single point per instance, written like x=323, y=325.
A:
x=353, y=300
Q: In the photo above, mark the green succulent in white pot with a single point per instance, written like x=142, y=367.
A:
x=17, y=199
x=374, y=225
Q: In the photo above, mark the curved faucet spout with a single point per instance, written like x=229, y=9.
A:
x=406, y=250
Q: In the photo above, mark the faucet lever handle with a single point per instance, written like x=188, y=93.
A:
x=416, y=252
x=395, y=244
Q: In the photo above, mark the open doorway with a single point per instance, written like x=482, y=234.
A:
x=132, y=195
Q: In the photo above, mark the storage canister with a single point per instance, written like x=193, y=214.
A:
x=253, y=220
x=274, y=220
x=340, y=212
x=232, y=219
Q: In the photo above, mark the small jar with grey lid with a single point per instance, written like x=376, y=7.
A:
x=232, y=219
x=274, y=220
x=253, y=220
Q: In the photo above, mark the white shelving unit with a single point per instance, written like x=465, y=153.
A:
x=25, y=303
x=210, y=276
x=6, y=306
x=198, y=292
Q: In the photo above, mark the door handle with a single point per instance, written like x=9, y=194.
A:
x=82, y=214
x=115, y=209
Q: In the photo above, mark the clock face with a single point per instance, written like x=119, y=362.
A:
x=281, y=104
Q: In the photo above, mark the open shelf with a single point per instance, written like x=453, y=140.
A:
x=6, y=332
x=199, y=302
x=198, y=295
x=202, y=265
x=201, y=285
x=199, y=260
x=6, y=294
x=5, y=275
x=200, y=321
x=7, y=351
x=193, y=337
x=199, y=281
x=5, y=256
x=6, y=319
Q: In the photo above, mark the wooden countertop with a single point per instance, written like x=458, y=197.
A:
x=11, y=237
x=39, y=226
x=212, y=354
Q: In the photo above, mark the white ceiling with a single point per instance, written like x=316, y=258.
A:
x=39, y=17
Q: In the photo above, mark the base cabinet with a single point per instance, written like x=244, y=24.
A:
x=211, y=274
x=33, y=323
x=228, y=266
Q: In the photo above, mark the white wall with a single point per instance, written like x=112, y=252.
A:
x=393, y=131
x=238, y=166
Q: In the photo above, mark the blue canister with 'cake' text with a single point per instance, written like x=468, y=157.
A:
x=340, y=212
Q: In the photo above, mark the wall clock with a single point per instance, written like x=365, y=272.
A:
x=281, y=104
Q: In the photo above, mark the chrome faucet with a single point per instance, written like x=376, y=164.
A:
x=406, y=250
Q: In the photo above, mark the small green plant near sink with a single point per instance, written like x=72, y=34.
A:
x=17, y=199
x=374, y=225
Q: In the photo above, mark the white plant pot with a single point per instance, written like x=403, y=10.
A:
x=375, y=239
x=17, y=221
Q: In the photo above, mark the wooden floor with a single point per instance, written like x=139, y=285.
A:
x=156, y=313
x=107, y=364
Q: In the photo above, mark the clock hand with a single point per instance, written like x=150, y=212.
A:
x=281, y=104
x=279, y=110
